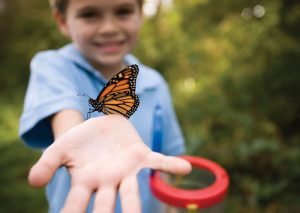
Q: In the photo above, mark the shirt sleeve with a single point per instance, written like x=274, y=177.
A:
x=51, y=88
x=173, y=141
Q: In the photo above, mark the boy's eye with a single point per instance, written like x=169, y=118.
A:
x=88, y=14
x=124, y=11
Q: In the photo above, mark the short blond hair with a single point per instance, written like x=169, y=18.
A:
x=61, y=5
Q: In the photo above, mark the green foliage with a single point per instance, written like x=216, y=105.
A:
x=234, y=77
x=16, y=195
x=235, y=83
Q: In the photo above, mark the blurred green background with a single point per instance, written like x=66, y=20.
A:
x=234, y=72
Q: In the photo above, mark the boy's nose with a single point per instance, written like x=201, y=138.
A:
x=108, y=26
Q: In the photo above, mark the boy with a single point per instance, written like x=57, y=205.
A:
x=103, y=155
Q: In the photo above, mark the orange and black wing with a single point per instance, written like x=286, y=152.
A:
x=124, y=81
x=124, y=103
x=118, y=96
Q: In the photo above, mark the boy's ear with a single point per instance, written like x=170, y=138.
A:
x=61, y=23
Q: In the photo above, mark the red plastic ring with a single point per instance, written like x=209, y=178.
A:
x=203, y=198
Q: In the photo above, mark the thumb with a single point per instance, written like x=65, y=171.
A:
x=41, y=173
x=170, y=164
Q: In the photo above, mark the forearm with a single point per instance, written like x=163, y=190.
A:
x=65, y=120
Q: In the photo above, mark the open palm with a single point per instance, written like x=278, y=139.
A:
x=102, y=154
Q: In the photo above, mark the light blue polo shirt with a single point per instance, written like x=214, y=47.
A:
x=56, y=79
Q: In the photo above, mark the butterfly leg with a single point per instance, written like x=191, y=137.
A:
x=88, y=114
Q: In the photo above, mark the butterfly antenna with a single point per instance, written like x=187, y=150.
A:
x=85, y=95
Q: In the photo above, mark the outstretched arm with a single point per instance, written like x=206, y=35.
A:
x=102, y=154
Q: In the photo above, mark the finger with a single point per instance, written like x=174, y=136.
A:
x=170, y=164
x=77, y=200
x=130, y=197
x=105, y=200
x=42, y=172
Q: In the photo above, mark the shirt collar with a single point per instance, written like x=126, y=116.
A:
x=145, y=80
x=71, y=53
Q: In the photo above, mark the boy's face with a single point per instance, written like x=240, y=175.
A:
x=104, y=31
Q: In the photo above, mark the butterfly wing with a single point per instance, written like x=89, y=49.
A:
x=121, y=103
x=124, y=81
x=118, y=96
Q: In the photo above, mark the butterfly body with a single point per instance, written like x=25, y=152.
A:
x=95, y=105
x=118, y=95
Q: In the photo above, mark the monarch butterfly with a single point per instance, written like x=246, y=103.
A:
x=118, y=95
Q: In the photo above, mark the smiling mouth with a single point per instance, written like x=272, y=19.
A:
x=110, y=46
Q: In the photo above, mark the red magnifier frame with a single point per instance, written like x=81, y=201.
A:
x=203, y=198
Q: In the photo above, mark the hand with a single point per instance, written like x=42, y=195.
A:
x=102, y=154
